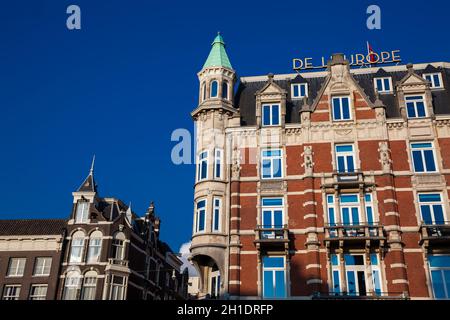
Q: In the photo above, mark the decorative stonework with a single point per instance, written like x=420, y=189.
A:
x=385, y=157
x=308, y=163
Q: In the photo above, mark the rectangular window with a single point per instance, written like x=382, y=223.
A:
x=272, y=217
x=16, y=267
x=345, y=158
x=350, y=213
x=117, y=288
x=336, y=274
x=299, y=90
x=274, y=277
x=11, y=292
x=216, y=214
x=82, y=212
x=202, y=167
x=201, y=216
x=271, y=114
x=218, y=163
x=271, y=163
x=415, y=107
x=341, y=108
x=435, y=80
x=118, y=249
x=423, y=157
x=38, y=292
x=431, y=208
x=440, y=275
x=42, y=266
x=383, y=85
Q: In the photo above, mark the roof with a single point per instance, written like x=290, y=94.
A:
x=245, y=99
x=36, y=227
x=218, y=56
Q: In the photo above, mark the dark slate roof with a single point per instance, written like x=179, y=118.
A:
x=245, y=98
x=89, y=184
x=32, y=227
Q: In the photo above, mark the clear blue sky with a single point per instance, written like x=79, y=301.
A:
x=118, y=87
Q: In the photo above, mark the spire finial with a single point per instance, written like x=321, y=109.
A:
x=92, y=165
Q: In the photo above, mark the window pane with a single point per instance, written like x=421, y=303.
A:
x=439, y=261
x=275, y=115
x=266, y=115
x=266, y=164
x=272, y=201
x=429, y=197
x=214, y=89
x=273, y=262
x=437, y=82
x=345, y=108
x=268, y=284
x=296, y=93
x=341, y=164
x=411, y=110
x=336, y=108
x=429, y=160
x=438, y=284
x=336, y=280
x=277, y=168
x=280, y=286
x=355, y=216
x=387, y=86
x=350, y=164
x=420, y=109
x=438, y=214
x=417, y=160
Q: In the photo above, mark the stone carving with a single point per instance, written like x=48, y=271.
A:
x=236, y=165
x=308, y=160
x=385, y=158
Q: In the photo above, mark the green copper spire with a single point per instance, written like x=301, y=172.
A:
x=218, y=56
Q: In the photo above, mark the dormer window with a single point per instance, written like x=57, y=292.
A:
x=271, y=114
x=415, y=106
x=82, y=213
x=299, y=90
x=341, y=108
x=383, y=85
x=435, y=80
x=214, y=89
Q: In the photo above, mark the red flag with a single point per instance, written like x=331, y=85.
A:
x=370, y=53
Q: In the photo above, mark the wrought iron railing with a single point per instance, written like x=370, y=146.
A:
x=118, y=262
x=363, y=231
x=361, y=295
x=272, y=233
x=439, y=230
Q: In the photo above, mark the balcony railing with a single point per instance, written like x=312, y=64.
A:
x=272, y=236
x=360, y=296
x=436, y=233
x=118, y=262
x=346, y=232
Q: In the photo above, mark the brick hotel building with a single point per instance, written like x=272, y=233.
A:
x=323, y=184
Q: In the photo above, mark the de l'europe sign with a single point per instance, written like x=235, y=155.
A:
x=358, y=59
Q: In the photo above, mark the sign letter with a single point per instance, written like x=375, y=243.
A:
x=374, y=20
x=74, y=20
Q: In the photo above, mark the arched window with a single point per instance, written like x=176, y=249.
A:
x=118, y=246
x=225, y=90
x=77, y=247
x=95, y=247
x=203, y=91
x=89, y=286
x=72, y=285
x=214, y=89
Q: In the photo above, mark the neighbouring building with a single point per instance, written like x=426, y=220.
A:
x=103, y=251
x=323, y=184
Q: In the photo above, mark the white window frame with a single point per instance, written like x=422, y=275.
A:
x=345, y=154
x=82, y=211
x=219, y=209
x=273, y=270
x=120, y=287
x=272, y=159
x=432, y=148
x=415, y=105
x=270, y=105
x=299, y=85
x=94, y=250
x=216, y=276
x=432, y=82
x=431, y=204
x=7, y=292
x=39, y=270
x=89, y=283
x=18, y=269
x=200, y=160
x=350, y=107
x=72, y=282
x=383, y=87
x=38, y=295
x=197, y=215
x=218, y=160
